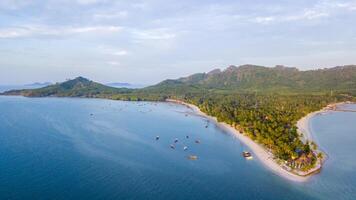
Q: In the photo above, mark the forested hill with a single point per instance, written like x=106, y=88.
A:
x=242, y=79
x=78, y=87
x=249, y=78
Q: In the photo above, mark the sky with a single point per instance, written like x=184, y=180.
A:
x=147, y=41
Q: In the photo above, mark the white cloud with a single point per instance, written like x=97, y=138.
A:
x=141, y=6
x=154, y=34
x=113, y=63
x=39, y=30
x=98, y=29
x=88, y=2
x=348, y=6
x=322, y=9
x=14, y=4
x=264, y=20
x=113, y=51
x=308, y=14
x=108, y=16
x=120, y=53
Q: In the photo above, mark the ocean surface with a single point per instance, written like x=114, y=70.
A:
x=62, y=148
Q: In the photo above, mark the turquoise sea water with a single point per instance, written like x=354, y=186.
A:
x=61, y=148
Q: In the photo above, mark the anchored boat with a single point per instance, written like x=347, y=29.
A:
x=192, y=157
x=247, y=155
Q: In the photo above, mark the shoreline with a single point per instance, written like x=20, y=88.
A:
x=260, y=152
x=303, y=124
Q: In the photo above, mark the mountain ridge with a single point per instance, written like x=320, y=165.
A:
x=254, y=77
x=241, y=79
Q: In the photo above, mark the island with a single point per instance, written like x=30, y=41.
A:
x=267, y=108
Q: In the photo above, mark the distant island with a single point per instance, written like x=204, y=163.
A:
x=261, y=104
x=38, y=84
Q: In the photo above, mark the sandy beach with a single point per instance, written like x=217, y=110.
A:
x=260, y=152
x=303, y=124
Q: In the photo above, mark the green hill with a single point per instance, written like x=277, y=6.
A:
x=78, y=87
x=242, y=79
x=280, y=79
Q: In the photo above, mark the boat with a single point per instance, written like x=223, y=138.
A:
x=247, y=155
x=197, y=141
x=187, y=136
x=176, y=140
x=185, y=148
x=172, y=146
x=193, y=157
x=157, y=137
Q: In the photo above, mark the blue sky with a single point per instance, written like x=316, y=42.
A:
x=147, y=41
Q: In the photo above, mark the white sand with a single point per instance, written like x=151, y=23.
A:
x=260, y=152
x=304, y=126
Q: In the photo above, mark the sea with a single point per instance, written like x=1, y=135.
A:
x=77, y=148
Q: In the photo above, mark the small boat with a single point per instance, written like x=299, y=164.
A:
x=247, y=155
x=192, y=157
x=172, y=146
x=206, y=126
x=176, y=140
x=157, y=137
x=197, y=141
x=185, y=148
x=187, y=136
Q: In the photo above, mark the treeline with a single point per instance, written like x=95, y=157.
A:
x=270, y=120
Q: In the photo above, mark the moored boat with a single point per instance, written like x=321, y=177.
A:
x=247, y=155
x=192, y=157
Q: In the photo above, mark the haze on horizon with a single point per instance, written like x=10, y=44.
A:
x=145, y=42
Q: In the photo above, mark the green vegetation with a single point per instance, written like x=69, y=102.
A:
x=263, y=103
x=79, y=87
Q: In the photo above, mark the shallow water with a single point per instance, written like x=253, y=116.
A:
x=52, y=148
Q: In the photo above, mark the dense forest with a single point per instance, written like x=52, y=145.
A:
x=263, y=103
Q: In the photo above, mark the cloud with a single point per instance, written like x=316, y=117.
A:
x=113, y=63
x=308, y=14
x=351, y=6
x=108, y=16
x=141, y=6
x=14, y=4
x=88, y=2
x=154, y=34
x=107, y=50
x=322, y=9
x=264, y=20
x=120, y=53
x=39, y=30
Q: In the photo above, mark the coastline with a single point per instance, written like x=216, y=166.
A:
x=260, y=152
x=303, y=124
